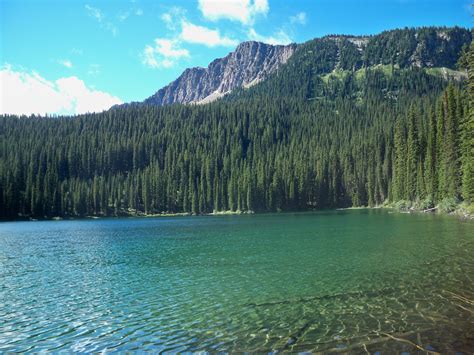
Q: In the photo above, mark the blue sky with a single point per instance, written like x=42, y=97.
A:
x=74, y=56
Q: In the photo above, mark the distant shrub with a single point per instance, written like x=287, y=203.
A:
x=425, y=204
x=448, y=204
x=386, y=203
x=465, y=209
x=470, y=208
x=402, y=205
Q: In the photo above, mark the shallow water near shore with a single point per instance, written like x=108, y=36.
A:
x=335, y=281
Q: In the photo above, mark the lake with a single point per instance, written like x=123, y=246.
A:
x=335, y=281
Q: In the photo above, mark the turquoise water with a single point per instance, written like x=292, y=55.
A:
x=331, y=281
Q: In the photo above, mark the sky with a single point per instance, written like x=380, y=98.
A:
x=75, y=56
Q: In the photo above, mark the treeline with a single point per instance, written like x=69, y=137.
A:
x=433, y=157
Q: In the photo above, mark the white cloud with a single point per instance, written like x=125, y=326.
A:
x=244, y=11
x=163, y=53
x=27, y=93
x=299, y=18
x=149, y=58
x=167, y=19
x=100, y=17
x=173, y=17
x=94, y=12
x=125, y=15
x=168, y=48
x=202, y=35
x=281, y=37
x=67, y=63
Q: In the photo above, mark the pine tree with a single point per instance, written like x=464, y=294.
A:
x=451, y=162
x=431, y=181
x=412, y=156
x=441, y=152
x=468, y=136
x=399, y=162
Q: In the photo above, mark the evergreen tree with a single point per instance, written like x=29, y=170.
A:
x=431, y=167
x=411, y=158
x=467, y=135
x=450, y=146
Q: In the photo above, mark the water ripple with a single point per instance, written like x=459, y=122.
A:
x=358, y=281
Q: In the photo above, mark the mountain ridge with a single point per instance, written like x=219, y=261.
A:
x=253, y=62
x=248, y=64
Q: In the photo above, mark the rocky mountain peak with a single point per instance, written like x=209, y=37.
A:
x=250, y=63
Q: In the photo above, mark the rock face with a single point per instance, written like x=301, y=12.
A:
x=250, y=63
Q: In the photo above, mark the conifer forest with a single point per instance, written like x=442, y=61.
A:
x=332, y=128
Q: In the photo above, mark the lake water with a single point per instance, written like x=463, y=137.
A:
x=330, y=281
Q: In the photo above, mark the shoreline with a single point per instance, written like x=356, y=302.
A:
x=130, y=215
x=461, y=211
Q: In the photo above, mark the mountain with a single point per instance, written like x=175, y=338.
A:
x=253, y=62
x=345, y=121
x=324, y=68
x=250, y=63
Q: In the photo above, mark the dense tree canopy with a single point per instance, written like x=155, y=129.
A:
x=307, y=137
